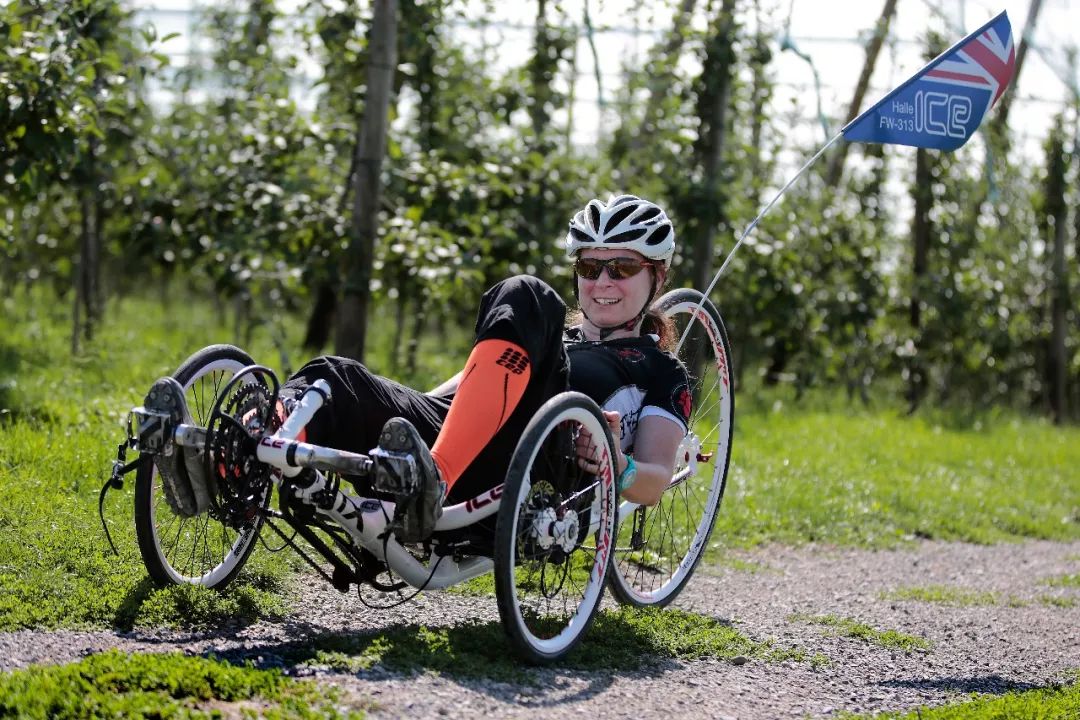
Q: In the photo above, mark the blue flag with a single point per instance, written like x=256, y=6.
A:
x=943, y=104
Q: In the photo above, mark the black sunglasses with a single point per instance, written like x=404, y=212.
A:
x=617, y=267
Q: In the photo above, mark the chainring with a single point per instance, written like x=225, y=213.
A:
x=244, y=413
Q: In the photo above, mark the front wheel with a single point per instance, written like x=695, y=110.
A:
x=658, y=547
x=555, y=529
x=201, y=550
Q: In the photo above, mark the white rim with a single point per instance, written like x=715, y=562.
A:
x=720, y=458
x=583, y=612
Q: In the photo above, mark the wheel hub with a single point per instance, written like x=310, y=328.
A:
x=551, y=531
x=689, y=452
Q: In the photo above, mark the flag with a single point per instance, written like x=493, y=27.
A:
x=943, y=104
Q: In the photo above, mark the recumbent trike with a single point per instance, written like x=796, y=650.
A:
x=552, y=533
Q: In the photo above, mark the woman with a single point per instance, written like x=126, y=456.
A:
x=523, y=356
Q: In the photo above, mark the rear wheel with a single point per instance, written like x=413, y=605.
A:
x=555, y=528
x=658, y=547
x=200, y=550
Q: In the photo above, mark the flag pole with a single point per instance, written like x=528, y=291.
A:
x=746, y=232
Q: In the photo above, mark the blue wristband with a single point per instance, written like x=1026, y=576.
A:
x=628, y=476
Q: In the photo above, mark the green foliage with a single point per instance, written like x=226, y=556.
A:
x=113, y=684
x=243, y=193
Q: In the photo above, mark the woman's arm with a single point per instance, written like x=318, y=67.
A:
x=655, y=444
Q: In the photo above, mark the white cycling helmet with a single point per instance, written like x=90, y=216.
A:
x=626, y=221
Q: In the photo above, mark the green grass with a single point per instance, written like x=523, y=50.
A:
x=1058, y=601
x=158, y=686
x=60, y=422
x=1054, y=703
x=875, y=478
x=846, y=627
x=619, y=640
x=840, y=475
x=1064, y=581
x=945, y=595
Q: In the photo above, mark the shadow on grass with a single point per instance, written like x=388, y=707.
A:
x=132, y=603
x=983, y=684
x=196, y=609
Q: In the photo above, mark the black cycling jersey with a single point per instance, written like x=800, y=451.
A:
x=630, y=375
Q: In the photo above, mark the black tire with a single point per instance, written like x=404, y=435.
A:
x=657, y=548
x=201, y=550
x=555, y=530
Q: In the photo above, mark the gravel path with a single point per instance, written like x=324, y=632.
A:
x=1023, y=641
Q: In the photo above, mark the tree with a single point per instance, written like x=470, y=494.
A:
x=71, y=86
x=873, y=49
x=1055, y=228
x=367, y=184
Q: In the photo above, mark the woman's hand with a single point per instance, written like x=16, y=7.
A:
x=588, y=448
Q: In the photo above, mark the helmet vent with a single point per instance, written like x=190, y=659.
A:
x=617, y=217
x=659, y=235
x=648, y=214
x=626, y=236
x=594, y=216
x=579, y=235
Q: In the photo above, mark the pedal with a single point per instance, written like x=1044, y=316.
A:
x=395, y=473
x=155, y=431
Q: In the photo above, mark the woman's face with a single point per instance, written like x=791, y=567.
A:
x=608, y=302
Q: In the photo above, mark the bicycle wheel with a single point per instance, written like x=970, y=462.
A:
x=658, y=547
x=202, y=550
x=554, y=531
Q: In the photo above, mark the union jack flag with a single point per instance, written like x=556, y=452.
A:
x=985, y=61
x=942, y=105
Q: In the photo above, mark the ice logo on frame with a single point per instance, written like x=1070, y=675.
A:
x=943, y=104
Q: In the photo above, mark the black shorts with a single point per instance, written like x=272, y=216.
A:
x=523, y=310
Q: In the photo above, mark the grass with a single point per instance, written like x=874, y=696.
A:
x=968, y=597
x=945, y=595
x=1064, y=581
x=158, y=686
x=619, y=640
x=836, y=474
x=1054, y=703
x=875, y=478
x=846, y=627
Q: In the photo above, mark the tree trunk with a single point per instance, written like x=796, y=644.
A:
x=1055, y=225
x=370, y=149
x=317, y=333
x=85, y=311
x=921, y=231
x=661, y=82
x=1059, y=304
x=716, y=76
x=414, y=340
x=873, y=49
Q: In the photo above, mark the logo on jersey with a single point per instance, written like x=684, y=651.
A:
x=513, y=360
x=682, y=401
x=630, y=355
